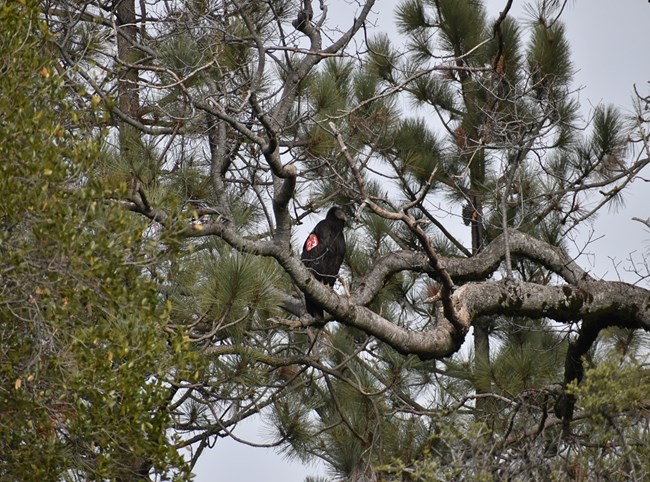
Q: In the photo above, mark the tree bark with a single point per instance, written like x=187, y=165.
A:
x=127, y=87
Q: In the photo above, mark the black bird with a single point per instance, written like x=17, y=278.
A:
x=323, y=253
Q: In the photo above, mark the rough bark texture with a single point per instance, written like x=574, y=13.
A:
x=128, y=55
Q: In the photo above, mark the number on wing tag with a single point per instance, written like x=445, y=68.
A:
x=312, y=242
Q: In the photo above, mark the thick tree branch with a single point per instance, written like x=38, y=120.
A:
x=471, y=269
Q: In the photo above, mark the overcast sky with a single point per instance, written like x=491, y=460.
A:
x=610, y=43
x=610, y=51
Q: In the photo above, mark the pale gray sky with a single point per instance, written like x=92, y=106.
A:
x=609, y=42
x=610, y=51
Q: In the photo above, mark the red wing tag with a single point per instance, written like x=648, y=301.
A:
x=312, y=242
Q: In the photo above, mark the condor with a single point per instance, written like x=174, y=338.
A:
x=323, y=253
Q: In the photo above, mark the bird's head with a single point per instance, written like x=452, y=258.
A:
x=337, y=214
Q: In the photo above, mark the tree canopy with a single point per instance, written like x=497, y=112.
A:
x=163, y=163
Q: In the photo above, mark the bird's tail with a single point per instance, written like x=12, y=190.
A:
x=313, y=309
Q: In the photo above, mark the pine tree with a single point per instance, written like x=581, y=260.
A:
x=228, y=127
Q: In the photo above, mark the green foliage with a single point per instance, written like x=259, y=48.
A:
x=511, y=57
x=411, y=16
x=86, y=353
x=608, y=142
x=613, y=400
x=616, y=386
x=532, y=357
x=429, y=89
x=418, y=148
x=368, y=436
x=181, y=54
x=462, y=26
x=609, y=137
x=549, y=59
x=229, y=292
x=382, y=57
x=612, y=424
x=329, y=91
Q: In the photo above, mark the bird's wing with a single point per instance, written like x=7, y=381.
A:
x=318, y=254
